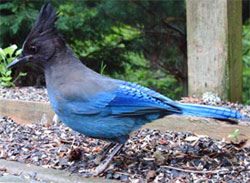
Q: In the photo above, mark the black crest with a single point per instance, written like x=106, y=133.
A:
x=45, y=23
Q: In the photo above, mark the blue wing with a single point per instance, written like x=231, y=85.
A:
x=148, y=91
x=138, y=100
x=128, y=99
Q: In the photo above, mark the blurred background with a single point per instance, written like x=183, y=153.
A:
x=139, y=41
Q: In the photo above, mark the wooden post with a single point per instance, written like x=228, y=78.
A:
x=214, y=30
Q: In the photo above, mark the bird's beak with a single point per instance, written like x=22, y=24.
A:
x=19, y=60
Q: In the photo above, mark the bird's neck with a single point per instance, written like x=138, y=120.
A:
x=61, y=67
x=67, y=72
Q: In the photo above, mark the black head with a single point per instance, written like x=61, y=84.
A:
x=43, y=41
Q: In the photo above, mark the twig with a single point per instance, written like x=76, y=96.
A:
x=196, y=171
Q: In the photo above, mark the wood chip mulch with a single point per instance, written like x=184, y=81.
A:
x=148, y=156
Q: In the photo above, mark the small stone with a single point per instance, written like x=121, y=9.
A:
x=109, y=176
x=175, y=173
x=151, y=174
x=116, y=176
x=124, y=178
x=15, y=152
x=35, y=158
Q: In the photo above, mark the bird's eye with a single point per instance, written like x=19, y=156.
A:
x=33, y=49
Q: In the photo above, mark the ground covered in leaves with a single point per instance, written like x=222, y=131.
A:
x=149, y=155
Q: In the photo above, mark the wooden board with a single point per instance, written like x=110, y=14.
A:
x=26, y=112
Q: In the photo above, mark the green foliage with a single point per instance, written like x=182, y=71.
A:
x=107, y=32
x=6, y=56
x=103, y=66
x=16, y=19
x=246, y=63
x=234, y=135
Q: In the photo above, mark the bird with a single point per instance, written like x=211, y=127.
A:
x=92, y=104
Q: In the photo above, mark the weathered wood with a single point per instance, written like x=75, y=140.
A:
x=25, y=112
x=214, y=48
x=46, y=174
x=201, y=126
x=235, y=49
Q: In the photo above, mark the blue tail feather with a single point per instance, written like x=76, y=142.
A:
x=208, y=111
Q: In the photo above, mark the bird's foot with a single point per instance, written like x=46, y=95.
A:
x=98, y=160
x=104, y=164
x=101, y=167
x=96, y=171
x=103, y=153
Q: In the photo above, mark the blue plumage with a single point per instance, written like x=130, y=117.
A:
x=113, y=114
x=90, y=103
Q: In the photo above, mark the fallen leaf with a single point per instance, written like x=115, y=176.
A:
x=96, y=149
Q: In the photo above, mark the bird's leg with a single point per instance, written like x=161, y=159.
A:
x=103, y=165
x=103, y=153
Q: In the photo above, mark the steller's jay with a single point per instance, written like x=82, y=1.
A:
x=92, y=104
